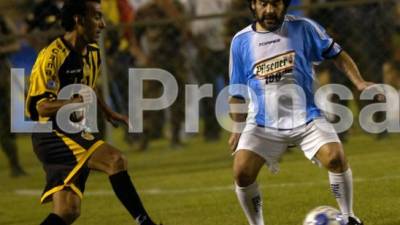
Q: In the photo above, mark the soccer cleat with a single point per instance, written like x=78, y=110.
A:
x=354, y=221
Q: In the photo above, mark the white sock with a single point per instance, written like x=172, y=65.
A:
x=251, y=202
x=342, y=189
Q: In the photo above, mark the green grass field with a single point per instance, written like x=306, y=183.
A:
x=193, y=186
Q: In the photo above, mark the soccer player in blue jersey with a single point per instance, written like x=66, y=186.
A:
x=274, y=58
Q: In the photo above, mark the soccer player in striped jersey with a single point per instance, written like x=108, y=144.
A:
x=67, y=158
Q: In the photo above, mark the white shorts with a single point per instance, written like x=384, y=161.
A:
x=271, y=143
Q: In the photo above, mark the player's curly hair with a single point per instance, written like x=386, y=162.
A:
x=72, y=8
x=286, y=2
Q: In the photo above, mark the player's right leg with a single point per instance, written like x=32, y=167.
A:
x=257, y=146
x=66, y=208
x=111, y=161
x=246, y=167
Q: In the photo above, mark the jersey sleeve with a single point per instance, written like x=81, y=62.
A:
x=237, y=75
x=44, y=82
x=322, y=46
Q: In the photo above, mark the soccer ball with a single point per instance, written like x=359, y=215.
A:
x=324, y=215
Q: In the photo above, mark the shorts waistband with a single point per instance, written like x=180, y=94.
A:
x=280, y=129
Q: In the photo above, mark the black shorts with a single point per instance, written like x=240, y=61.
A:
x=64, y=158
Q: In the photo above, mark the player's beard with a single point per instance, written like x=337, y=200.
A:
x=271, y=22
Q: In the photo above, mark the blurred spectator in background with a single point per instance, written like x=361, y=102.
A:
x=45, y=15
x=235, y=23
x=327, y=72
x=391, y=69
x=136, y=4
x=364, y=31
x=7, y=139
x=212, y=56
x=119, y=15
x=162, y=48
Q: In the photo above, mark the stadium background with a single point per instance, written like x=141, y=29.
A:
x=192, y=183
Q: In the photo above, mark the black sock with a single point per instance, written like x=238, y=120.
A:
x=126, y=193
x=53, y=219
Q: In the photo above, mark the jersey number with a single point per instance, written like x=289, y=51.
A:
x=273, y=78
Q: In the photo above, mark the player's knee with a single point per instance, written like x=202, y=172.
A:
x=243, y=178
x=336, y=163
x=118, y=162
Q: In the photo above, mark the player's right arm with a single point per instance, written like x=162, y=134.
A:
x=238, y=118
x=238, y=93
x=42, y=101
x=49, y=108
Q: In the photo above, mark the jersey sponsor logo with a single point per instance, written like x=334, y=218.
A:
x=272, y=69
x=73, y=71
x=269, y=42
x=51, y=69
x=51, y=62
x=59, y=46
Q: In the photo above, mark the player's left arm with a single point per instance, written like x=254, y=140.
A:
x=111, y=116
x=346, y=64
x=323, y=47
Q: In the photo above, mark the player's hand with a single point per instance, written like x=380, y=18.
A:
x=363, y=85
x=233, y=141
x=114, y=117
x=369, y=85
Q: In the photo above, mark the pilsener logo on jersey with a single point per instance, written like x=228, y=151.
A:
x=273, y=68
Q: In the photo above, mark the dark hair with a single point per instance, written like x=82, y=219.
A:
x=72, y=8
x=286, y=2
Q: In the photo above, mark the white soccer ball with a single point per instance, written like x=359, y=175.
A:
x=324, y=215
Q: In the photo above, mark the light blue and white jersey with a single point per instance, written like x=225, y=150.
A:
x=277, y=68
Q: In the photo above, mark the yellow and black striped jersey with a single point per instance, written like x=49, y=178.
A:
x=57, y=66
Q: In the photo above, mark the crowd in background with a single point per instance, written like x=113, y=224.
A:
x=177, y=36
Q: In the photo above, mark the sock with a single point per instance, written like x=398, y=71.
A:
x=126, y=193
x=342, y=189
x=53, y=219
x=251, y=202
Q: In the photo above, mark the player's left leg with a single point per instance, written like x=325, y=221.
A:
x=319, y=140
x=331, y=156
x=109, y=160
